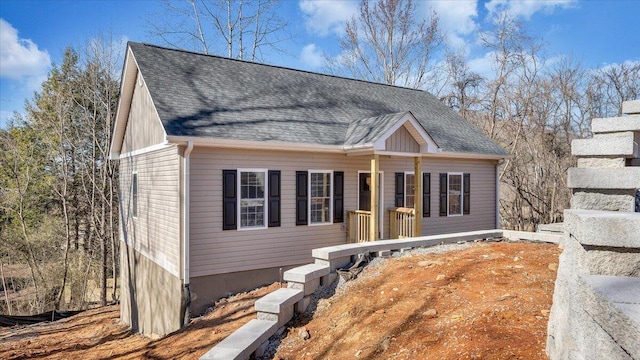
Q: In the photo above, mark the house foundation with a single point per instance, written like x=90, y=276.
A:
x=206, y=289
x=596, y=301
x=151, y=299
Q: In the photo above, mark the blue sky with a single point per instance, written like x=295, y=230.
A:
x=35, y=33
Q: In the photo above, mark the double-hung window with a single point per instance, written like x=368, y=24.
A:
x=252, y=200
x=134, y=194
x=454, y=194
x=409, y=189
x=320, y=197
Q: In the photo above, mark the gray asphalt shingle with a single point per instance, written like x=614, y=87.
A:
x=209, y=96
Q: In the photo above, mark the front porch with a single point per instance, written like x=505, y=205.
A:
x=404, y=222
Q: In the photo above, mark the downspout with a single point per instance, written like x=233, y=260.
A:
x=500, y=162
x=186, y=292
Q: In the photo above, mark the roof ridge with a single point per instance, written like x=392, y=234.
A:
x=279, y=67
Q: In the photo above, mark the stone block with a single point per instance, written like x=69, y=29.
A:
x=531, y=236
x=244, y=341
x=601, y=162
x=384, y=253
x=281, y=318
x=278, y=300
x=302, y=274
x=335, y=263
x=609, y=200
x=604, y=228
x=631, y=107
x=303, y=304
x=615, y=144
x=261, y=349
x=307, y=288
x=625, y=178
x=603, y=297
x=615, y=124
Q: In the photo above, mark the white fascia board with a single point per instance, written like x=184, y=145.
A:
x=426, y=139
x=457, y=155
x=255, y=145
x=127, y=84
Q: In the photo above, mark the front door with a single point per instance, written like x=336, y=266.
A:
x=364, y=196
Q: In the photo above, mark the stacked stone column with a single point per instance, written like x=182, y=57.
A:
x=596, y=302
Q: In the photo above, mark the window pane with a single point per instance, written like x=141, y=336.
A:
x=320, y=199
x=410, y=190
x=134, y=192
x=252, y=199
x=455, y=194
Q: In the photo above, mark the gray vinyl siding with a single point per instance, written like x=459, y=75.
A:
x=402, y=141
x=482, y=206
x=155, y=233
x=143, y=128
x=215, y=251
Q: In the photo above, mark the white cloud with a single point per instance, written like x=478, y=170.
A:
x=325, y=16
x=20, y=58
x=311, y=56
x=526, y=8
x=484, y=65
x=457, y=16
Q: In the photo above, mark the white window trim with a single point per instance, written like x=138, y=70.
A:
x=461, y=193
x=135, y=205
x=331, y=190
x=239, y=200
x=405, y=187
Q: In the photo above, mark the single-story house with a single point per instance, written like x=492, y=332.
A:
x=231, y=172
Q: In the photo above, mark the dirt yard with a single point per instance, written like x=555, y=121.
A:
x=481, y=301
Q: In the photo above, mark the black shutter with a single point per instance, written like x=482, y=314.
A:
x=443, y=194
x=301, y=197
x=426, y=194
x=338, y=196
x=466, y=203
x=399, y=189
x=229, y=199
x=274, y=198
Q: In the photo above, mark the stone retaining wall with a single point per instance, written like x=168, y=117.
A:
x=596, y=301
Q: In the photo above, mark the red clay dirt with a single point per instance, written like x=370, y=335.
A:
x=487, y=301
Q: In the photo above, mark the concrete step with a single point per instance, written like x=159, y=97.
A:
x=243, y=342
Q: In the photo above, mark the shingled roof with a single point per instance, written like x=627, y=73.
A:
x=199, y=95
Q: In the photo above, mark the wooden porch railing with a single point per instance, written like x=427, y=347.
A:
x=359, y=223
x=401, y=223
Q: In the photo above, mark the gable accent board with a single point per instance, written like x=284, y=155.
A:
x=143, y=128
x=402, y=141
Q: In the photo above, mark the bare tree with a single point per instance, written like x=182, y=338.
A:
x=610, y=85
x=463, y=85
x=239, y=29
x=387, y=43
